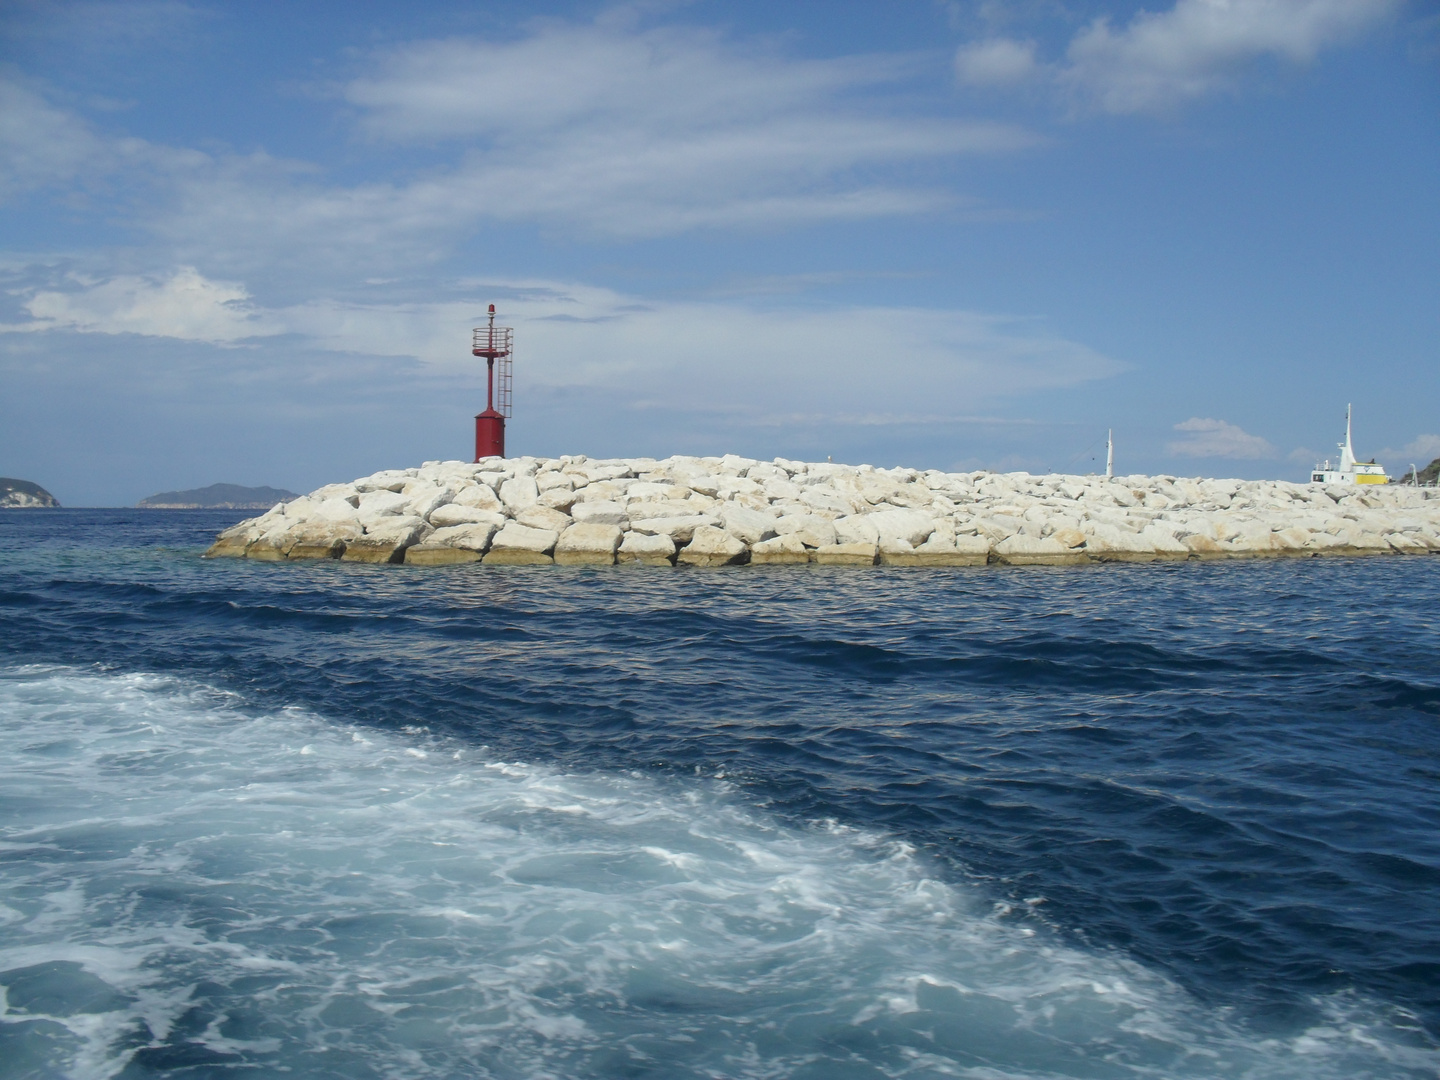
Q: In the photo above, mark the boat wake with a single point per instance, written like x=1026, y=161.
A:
x=191, y=885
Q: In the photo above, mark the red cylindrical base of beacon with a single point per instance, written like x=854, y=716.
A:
x=489, y=434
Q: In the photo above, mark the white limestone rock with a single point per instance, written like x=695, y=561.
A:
x=640, y=510
x=320, y=539
x=813, y=530
x=559, y=498
x=787, y=549
x=750, y=526
x=1112, y=543
x=518, y=545
x=710, y=546
x=387, y=543
x=646, y=550
x=519, y=493
x=432, y=554
x=678, y=529
x=460, y=514
x=1020, y=550
x=604, y=512
x=847, y=554
x=543, y=517
x=912, y=526
x=856, y=529
x=480, y=496
x=589, y=543
x=475, y=536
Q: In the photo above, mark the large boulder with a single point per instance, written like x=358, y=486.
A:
x=1022, y=550
x=679, y=529
x=959, y=551
x=660, y=508
x=519, y=493
x=1406, y=544
x=559, y=498
x=646, y=549
x=231, y=543
x=604, y=512
x=846, y=554
x=456, y=513
x=588, y=543
x=518, y=545
x=813, y=530
x=427, y=499
x=432, y=554
x=857, y=529
x=387, y=543
x=751, y=526
x=1205, y=547
x=710, y=546
x=780, y=550
x=826, y=498
x=322, y=539
x=336, y=509
x=912, y=526
x=480, y=496
x=471, y=537
x=378, y=505
x=543, y=517
x=1110, y=543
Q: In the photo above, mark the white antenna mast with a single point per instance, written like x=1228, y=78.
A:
x=1347, y=452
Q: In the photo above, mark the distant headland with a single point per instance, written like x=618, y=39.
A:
x=218, y=497
x=715, y=511
x=23, y=494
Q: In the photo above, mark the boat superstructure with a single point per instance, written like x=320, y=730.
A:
x=1349, y=471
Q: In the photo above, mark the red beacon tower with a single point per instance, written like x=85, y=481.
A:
x=494, y=343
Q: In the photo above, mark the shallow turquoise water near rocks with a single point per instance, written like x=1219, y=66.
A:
x=1164, y=820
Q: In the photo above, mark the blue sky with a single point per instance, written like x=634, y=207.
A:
x=246, y=242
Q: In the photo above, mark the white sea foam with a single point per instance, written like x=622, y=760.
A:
x=187, y=882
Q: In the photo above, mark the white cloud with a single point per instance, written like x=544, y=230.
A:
x=729, y=357
x=1422, y=449
x=996, y=62
x=594, y=130
x=1206, y=438
x=1199, y=46
x=183, y=305
x=40, y=144
x=656, y=132
x=1161, y=59
x=597, y=76
x=752, y=363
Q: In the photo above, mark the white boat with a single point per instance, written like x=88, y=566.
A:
x=1349, y=471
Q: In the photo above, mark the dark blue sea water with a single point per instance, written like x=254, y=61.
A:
x=334, y=820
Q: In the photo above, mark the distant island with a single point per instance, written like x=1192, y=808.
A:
x=217, y=497
x=18, y=494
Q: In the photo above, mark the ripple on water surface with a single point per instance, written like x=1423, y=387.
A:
x=1103, y=821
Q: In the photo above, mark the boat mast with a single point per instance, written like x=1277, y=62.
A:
x=1347, y=453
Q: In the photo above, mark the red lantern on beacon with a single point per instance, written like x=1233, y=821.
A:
x=495, y=343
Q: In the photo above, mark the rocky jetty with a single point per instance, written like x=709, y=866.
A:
x=22, y=494
x=709, y=511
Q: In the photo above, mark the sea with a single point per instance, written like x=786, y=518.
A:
x=345, y=821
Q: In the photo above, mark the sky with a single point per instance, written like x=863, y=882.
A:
x=246, y=242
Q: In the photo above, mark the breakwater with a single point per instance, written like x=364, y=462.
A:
x=715, y=511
